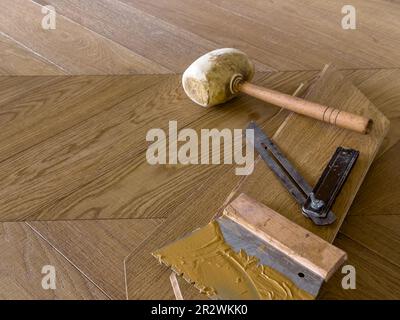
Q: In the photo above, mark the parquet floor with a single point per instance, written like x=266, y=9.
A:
x=76, y=102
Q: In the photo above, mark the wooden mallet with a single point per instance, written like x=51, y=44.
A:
x=222, y=74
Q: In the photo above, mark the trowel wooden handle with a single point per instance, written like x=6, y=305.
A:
x=314, y=110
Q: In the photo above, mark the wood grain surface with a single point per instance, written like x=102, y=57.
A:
x=136, y=30
x=108, y=195
x=376, y=277
x=98, y=248
x=106, y=184
x=196, y=211
x=24, y=254
x=382, y=89
x=17, y=60
x=309, y=145
x=159, y=36
x=67, y=103
x=209, y=199
x=142, y=36
x=379, y=195
x=165, y=36
x=204, y=203
x=287, y=237
x=374, y=217
x=73, y=49
x=15, y=87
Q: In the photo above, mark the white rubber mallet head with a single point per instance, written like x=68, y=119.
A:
x=220, y=75
x=208, y=80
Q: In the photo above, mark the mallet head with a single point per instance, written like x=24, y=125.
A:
x=210, y=79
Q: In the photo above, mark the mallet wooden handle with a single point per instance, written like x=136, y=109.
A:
x=314, y=110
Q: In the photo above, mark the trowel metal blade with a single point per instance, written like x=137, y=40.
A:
x=241, y=239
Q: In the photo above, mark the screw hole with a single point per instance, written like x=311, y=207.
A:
x=301, y=274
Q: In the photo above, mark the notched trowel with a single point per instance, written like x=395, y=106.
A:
x=252, y=252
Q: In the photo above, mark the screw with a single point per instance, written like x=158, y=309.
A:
x=316, y=204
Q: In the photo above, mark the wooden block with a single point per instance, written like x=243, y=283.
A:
x=290, y=239
x=309, y=145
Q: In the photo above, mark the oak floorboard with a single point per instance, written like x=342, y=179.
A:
x=172, y=47
x=382, y=87
x=378, y=233
x=125, y=191
x=380, y=193
x=287, y=35
x=145, y=277
x=285, y=81
x=376, y=277
x=17, y=60
x=73, y=48
x=97, y=143
x=373, y=218
x=204, y=203
x=57, y=106
x=163, y=36
x=98, y=248
x=15, y=87
x=290, y=35
x=23, y=255
x=314, y=29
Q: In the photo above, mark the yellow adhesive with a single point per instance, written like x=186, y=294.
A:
x=205, y=259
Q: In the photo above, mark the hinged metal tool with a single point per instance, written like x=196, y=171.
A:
x=315, y=203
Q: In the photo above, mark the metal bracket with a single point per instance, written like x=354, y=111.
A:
x=315, y=203
x=321, y=199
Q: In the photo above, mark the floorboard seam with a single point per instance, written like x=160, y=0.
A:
x=42, y=58
x=66, y=258
x=369, y=249
x=270, y=68
x=27, y=218
x=133, y=250
x=108, y=39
